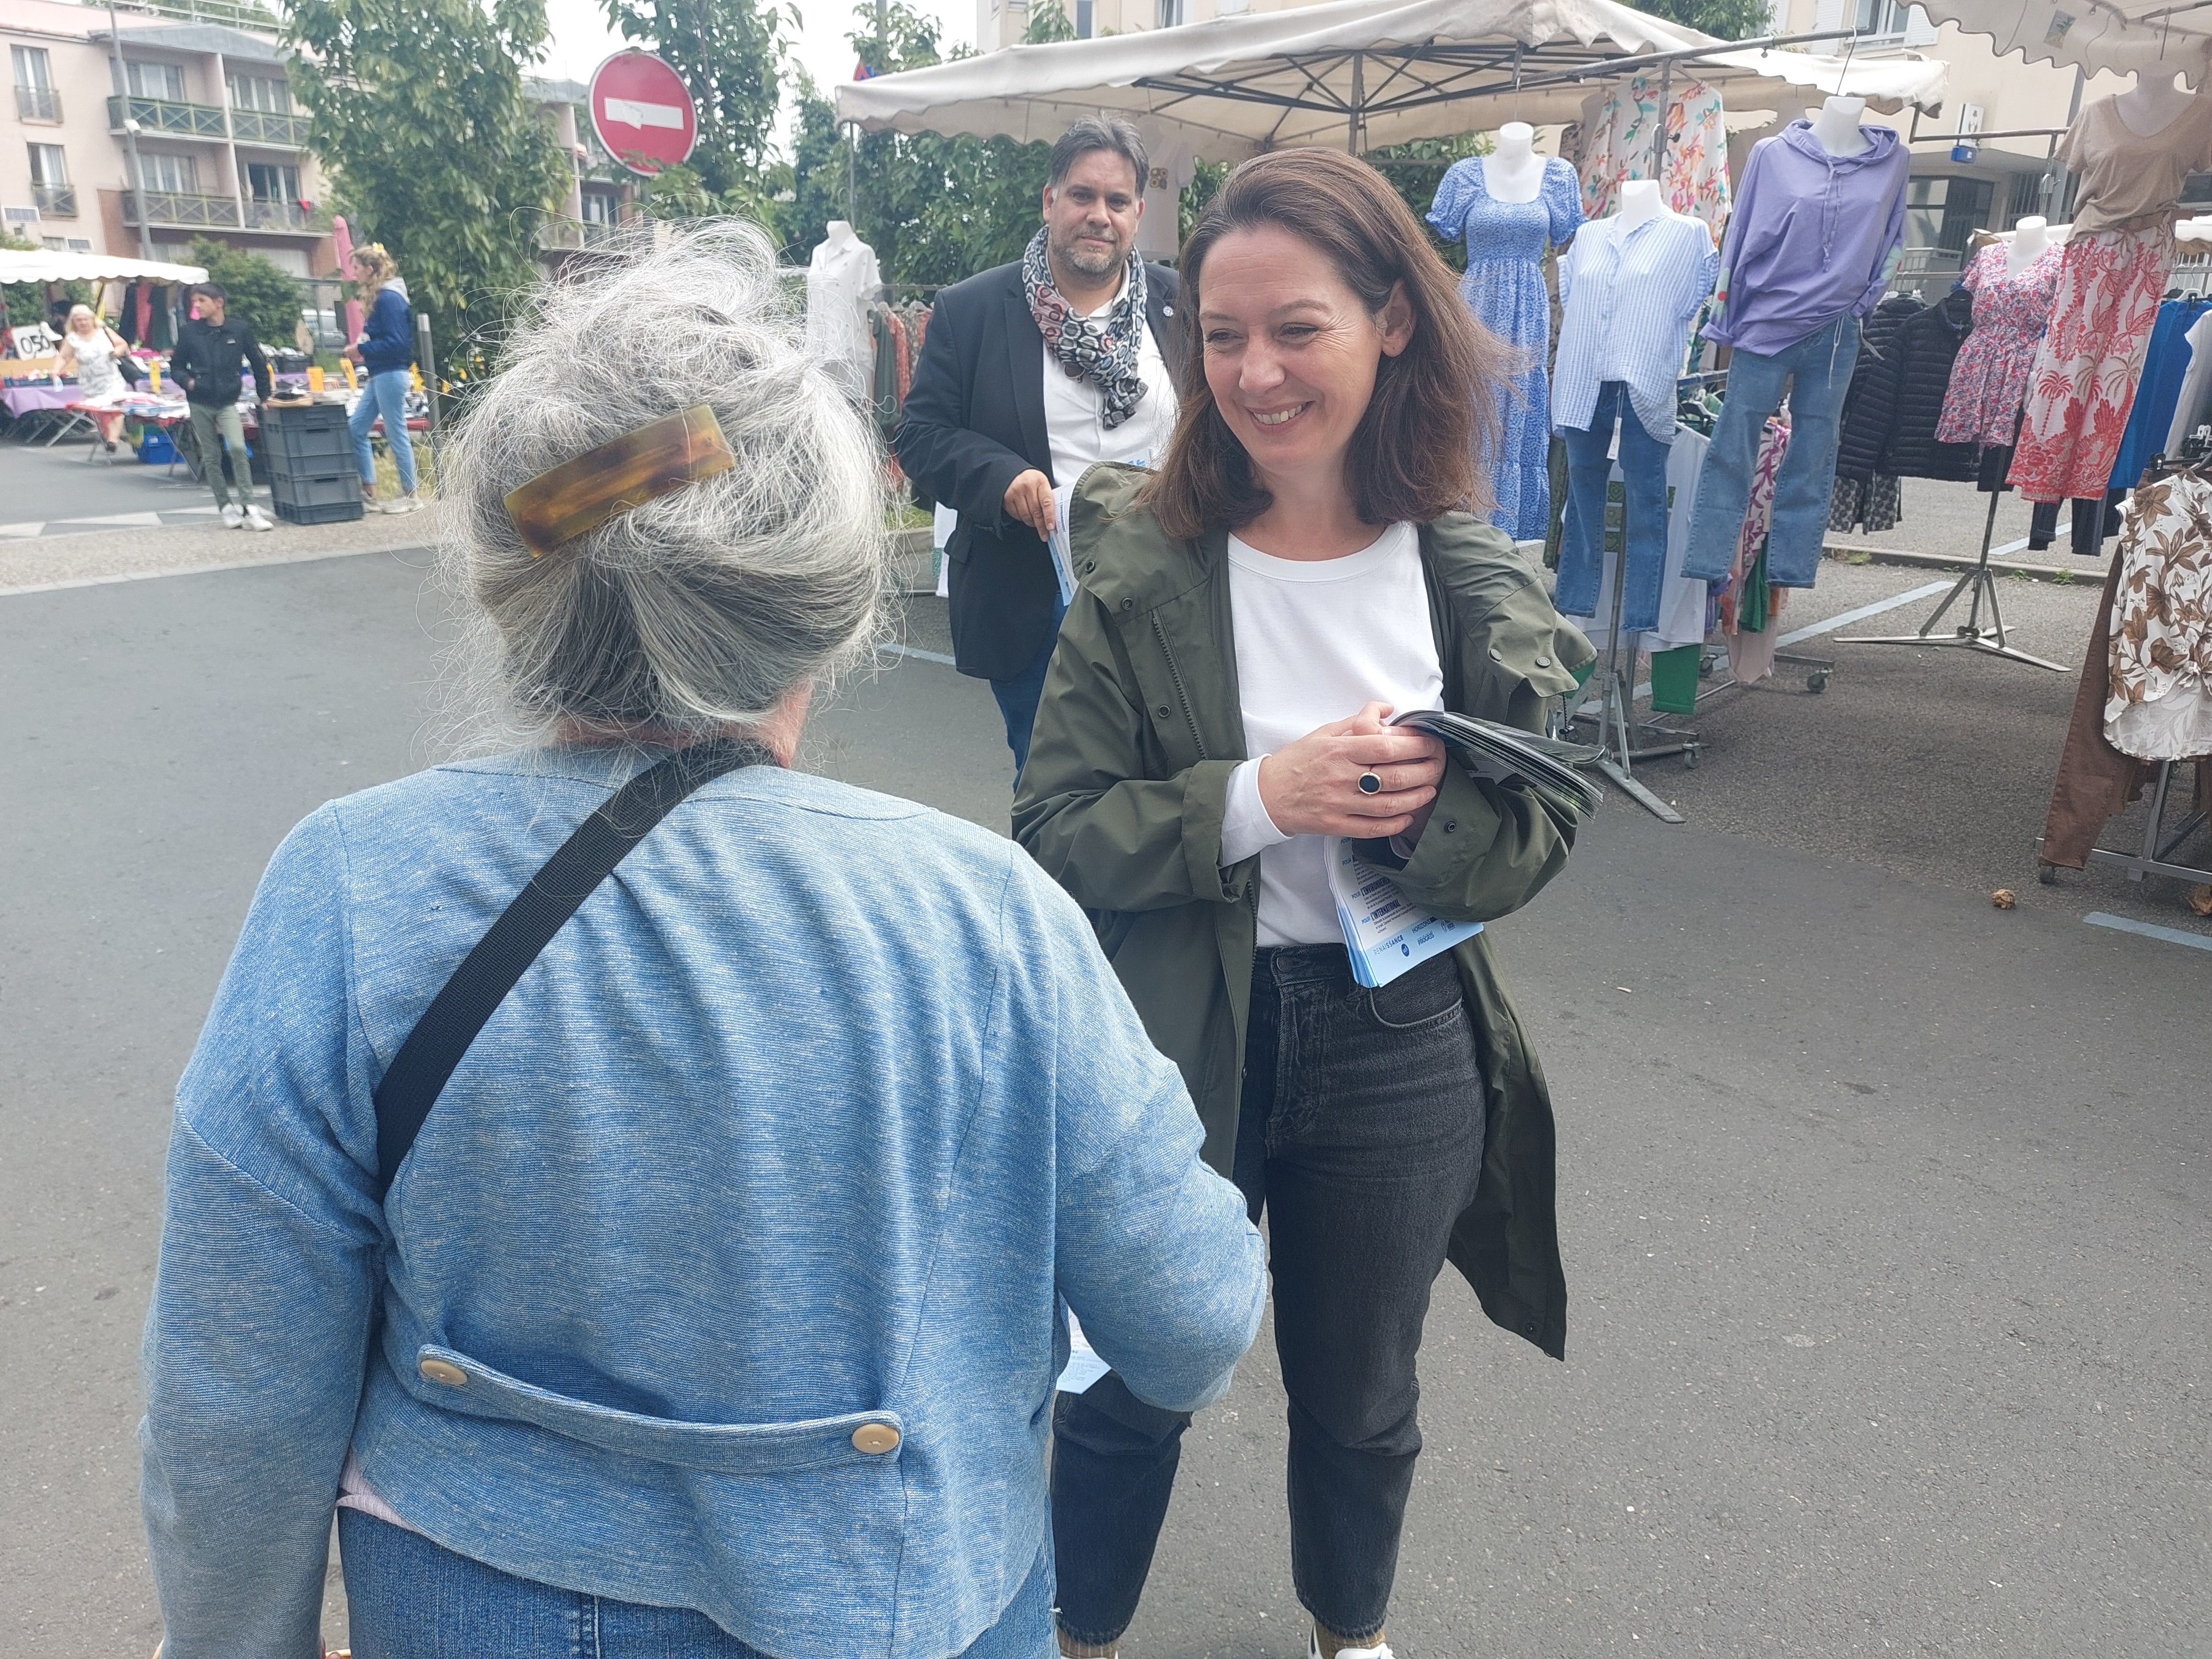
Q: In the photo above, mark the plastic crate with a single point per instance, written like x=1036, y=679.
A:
x=155, y=448
x=313, y=439
x=332, y=513
x=316, y=489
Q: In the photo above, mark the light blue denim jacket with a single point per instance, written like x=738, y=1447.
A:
x=809, y=1119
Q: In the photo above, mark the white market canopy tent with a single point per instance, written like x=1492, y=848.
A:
x=1317, y=75
x=2157, y=38
x=52, y=265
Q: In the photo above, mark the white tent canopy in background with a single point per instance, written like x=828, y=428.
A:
x=2156, y=38
x=49, y=265
x=1234, y=86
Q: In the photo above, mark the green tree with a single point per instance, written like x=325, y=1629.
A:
x=935, y=208
x=732, y=54
x=259, y=292
x=1730, y=19
x=419, y=114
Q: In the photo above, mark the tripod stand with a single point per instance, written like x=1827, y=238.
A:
x=1969, y=635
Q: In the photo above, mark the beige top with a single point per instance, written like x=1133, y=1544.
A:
x=2126, y=177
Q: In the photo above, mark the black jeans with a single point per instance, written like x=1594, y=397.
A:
x=1361, y=1137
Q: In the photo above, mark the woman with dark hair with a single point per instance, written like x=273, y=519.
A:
x=1214, y=731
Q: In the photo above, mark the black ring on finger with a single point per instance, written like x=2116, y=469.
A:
x=1369, y=784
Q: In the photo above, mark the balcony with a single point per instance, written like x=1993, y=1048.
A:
x=176, y=207
x=55, y=201
x=38, y=103
x=285, y=215
x=261, y=126
x=159, y=115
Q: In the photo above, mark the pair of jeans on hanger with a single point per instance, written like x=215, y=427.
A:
x=1818, y=372
x=1643, y=540
x=1361, y=1138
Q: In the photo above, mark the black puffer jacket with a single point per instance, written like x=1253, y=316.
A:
x=1866, y=405
x=1894, y=414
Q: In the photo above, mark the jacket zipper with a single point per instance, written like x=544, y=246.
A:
x=1182, y=696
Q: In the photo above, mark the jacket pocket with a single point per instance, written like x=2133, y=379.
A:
x=453, y=1381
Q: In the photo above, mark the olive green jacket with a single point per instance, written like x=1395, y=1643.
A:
x=1122, y=798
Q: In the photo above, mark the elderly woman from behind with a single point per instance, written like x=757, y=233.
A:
x=716, y=1309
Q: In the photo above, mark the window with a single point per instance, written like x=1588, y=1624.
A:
x=33, y=72
x=600, y=207
x=162, y=80
x=1944, y=213
x=179, y=175
x=270, y=181
x=49, y=165
x=1083, y=11
x=1170, y=14
x=260, y=92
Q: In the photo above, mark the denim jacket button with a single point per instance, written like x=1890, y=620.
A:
x=441, y=1370
x=875, y=1438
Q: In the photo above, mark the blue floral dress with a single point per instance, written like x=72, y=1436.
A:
x=1504, y=289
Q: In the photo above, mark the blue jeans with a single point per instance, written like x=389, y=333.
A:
x=1582, y=542
x=1017, y=697
x=1360, y=1135
x=1818, y=371
x=384, y=394
x=409, y=1598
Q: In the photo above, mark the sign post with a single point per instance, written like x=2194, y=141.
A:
x=643, y=112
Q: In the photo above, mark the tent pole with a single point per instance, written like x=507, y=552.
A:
x=1359, y=102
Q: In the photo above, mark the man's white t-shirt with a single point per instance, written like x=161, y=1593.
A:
x=1074, y=408
x=1316, y=640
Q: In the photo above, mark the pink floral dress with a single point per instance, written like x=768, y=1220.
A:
x=1989, y=382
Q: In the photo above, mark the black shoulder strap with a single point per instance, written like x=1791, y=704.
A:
x=417, y=1074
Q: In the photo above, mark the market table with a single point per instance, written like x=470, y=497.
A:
x=47, y=405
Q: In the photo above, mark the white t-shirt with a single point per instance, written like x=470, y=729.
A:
x=1073, y=409
x=1316, y=640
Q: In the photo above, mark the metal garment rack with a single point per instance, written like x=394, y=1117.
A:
x=1625, y=738
x=1981, y=582
x=2158, y=845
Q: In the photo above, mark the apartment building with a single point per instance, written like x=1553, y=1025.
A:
x=221, y=149
x=599, y=192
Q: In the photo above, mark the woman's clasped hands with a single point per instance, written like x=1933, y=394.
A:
x=1312, y=787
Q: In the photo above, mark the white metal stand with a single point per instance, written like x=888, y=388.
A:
x=1981, y=583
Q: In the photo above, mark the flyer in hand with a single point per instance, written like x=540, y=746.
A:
x=1505, y=754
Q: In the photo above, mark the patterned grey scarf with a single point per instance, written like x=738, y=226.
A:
x=1101, y=347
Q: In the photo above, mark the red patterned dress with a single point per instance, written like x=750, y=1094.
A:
x=1989, y=382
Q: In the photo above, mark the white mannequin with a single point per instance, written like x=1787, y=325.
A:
x=1513, y=172
x=2152, y=104
x=1639, y=200
x=2029, y=238
x=1836, y=128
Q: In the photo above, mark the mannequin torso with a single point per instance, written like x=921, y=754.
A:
x=2029, y=238
x=1836, y=126
x=1639, y=200
x=2151, y=105
x=1513, y=172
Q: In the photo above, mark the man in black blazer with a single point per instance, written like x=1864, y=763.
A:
x=994, y=420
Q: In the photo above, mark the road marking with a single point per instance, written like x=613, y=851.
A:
x=927, y=656
x=2009, y=547
x=1831, y=624
x=302, y=557
x=2148, y=930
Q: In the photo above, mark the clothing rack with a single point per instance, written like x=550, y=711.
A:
x=2154, y=856
x=1625, y=738
x=1981, y=583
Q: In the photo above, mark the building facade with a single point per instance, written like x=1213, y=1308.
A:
x=221, y=148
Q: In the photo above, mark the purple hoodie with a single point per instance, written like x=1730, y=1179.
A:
x=1811, y=237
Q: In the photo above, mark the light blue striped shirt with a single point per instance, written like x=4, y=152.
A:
x=1628, y=300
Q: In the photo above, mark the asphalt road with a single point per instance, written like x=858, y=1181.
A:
x=1885, y=1212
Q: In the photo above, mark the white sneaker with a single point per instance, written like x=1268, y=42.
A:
x=257, y=519
x=398, y=504
x=1380, y=1651
x=234, y=516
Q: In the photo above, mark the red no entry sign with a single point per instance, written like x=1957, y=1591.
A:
x=643, y=112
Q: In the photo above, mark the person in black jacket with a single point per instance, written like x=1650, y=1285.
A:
x=212, y=350
x=994, y=420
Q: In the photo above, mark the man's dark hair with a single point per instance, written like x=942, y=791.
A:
x=1085, y=135
x=213, y=290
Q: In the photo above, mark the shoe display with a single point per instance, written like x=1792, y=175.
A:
x=234, y=515
x=257, y=519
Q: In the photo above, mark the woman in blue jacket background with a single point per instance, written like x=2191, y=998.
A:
x=386, y=352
